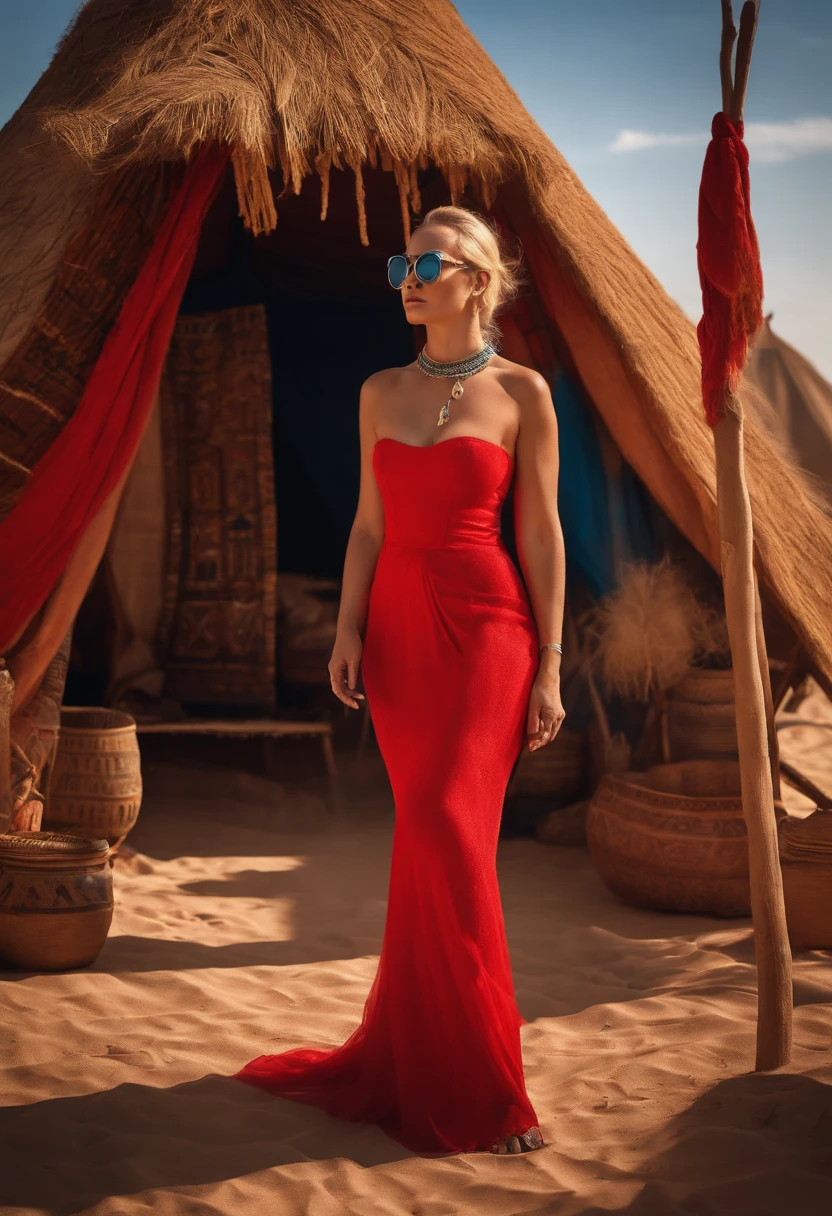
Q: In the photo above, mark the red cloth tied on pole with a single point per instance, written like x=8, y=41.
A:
x=71, y=481
x=728, y=257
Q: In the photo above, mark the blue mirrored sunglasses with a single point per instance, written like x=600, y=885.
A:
x=426, y=266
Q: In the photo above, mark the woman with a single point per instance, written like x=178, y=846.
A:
x=459, y=663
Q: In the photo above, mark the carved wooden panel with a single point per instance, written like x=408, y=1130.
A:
x=218, y=624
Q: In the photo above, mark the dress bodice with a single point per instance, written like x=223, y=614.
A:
x=449, y=493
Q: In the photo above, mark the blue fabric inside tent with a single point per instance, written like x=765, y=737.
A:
x=598, y=513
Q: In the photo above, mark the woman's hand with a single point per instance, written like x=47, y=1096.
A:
x=546, y=712
x=343, y=668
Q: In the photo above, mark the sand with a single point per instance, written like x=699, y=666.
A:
x=249, y=921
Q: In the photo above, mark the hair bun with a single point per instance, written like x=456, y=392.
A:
x=481, y=243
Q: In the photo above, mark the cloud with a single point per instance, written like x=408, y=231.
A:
x=637, y=141
x=772, y=141
x=767, y=141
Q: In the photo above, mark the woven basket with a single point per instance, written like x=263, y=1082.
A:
x=559, y=770
x=701, y=716
x=673, y=837
x=96, y=784
x=806, y=865
x=56, y=900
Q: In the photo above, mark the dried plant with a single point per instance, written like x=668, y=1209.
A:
x=709, y=632
x=642, y=638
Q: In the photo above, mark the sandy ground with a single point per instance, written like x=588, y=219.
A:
x=248, y=921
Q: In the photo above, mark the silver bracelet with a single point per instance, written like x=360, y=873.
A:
x=552, y=646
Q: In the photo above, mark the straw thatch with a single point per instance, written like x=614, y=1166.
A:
x=306, y=85
x=801, y=403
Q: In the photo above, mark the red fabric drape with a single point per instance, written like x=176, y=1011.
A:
x=728, y=257
x=88, y=459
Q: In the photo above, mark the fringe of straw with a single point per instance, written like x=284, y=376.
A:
x=254, y=191
x=378, y=156
x=360, y=201
x=323, y=164
x=256, y=199
x=402, y=176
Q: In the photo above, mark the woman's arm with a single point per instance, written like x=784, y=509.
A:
x=366, y=536
x=540, y=548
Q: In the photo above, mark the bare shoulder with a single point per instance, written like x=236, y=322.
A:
x=523, y=383
x=382, y=382
x=530, y=390
x=378, y=393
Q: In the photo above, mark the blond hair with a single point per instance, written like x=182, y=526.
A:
x=481, y=245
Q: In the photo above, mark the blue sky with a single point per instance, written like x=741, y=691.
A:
x=626, y=89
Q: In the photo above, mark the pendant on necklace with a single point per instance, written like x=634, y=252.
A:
x=456, y=393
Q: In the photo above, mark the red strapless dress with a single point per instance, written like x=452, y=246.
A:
x=450, y=654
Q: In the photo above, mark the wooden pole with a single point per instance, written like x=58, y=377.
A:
x=726, y=49
x=774, y=982
x=773, y=954
x=806, y=786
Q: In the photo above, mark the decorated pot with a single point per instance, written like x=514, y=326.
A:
x=673, y=837
x=96, y=784
x=701, y=716
x=56, y=900
x=558, y=770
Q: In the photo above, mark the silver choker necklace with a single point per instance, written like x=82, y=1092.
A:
x=459, y=371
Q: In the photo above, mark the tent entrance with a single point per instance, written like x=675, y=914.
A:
x=307, y=312
x=313, y=304
x=307, y=307
x=332, y=320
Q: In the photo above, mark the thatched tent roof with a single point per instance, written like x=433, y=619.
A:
x=801, y=400
x=308, y=84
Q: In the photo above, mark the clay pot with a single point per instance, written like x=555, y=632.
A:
x=701, y=716
x=56, y=900
x=673, y=837
x=96, y=784
x=558, y=770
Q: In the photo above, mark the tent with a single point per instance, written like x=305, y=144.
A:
x=801, y=400
x=340, y=124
